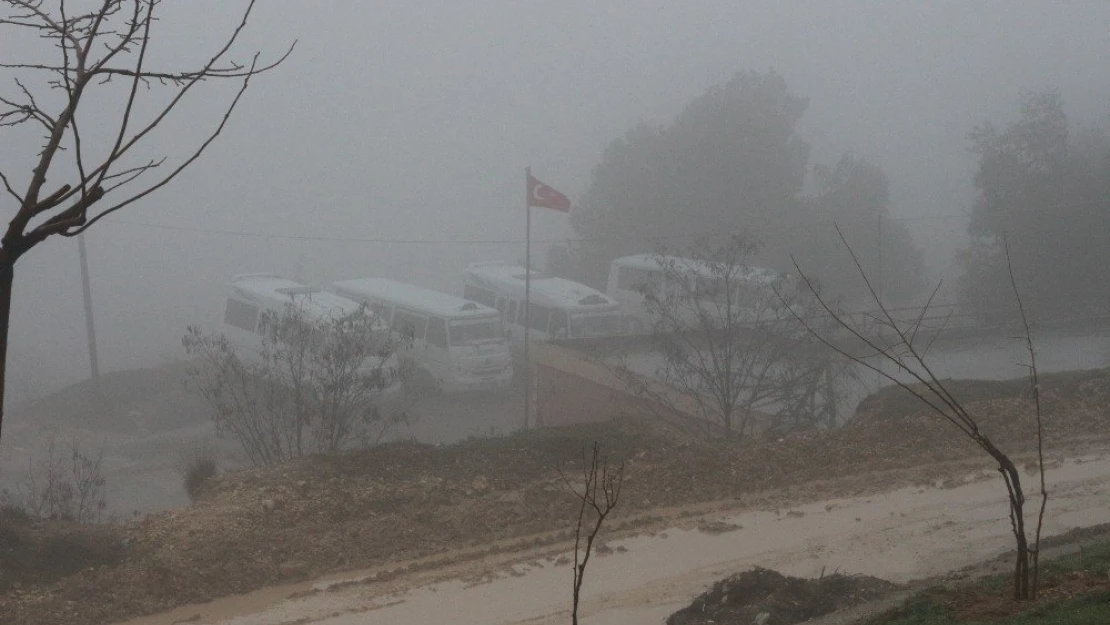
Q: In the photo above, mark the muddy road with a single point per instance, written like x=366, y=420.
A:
x=903, y=535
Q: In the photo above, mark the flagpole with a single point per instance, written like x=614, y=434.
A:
x=527, y=294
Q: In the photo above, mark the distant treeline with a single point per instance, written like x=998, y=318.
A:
x=733, y=161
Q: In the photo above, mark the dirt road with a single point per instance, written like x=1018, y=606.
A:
x=903, y=535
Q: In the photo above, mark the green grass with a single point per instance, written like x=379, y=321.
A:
x=1088, y=610
x=927, y=608
x=1094, y=558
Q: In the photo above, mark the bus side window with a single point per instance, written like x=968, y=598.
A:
x=437, y=332
x=559, y=323
x=537, y=317
x=408, y=325
x=380, y=310
x=241, y=315
x=678, y=285
x=510, y=312
x=630, y=278
x=478, y=294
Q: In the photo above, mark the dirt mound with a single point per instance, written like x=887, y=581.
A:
x=155, y=399
x=41, y=552
x=1073, y=404
x=766, y=597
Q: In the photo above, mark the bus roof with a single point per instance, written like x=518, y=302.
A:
x=658, y=262
x=545, y=288
x=414, y=297
x=274, y=292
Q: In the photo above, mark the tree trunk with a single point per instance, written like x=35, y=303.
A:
x=1016, y=495
x=1021, y=565
x=7, y=278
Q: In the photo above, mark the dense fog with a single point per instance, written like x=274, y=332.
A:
x=393, y=141
x=818, y=295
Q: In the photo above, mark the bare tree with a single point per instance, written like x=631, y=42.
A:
x=97, y=50
x=314, y=386
x=601, y=491
x=731, y=346
x=60, y=490
x=903, y=345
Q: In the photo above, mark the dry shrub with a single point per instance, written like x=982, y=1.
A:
x=198, y=466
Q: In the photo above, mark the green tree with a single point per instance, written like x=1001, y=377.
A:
x=854, y=194
x=730, y=162
x=1046, y=192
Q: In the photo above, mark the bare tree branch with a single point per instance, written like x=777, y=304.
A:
x=1035, y=387
x=9, y=189
x=727, y=345
x=110, y=39
x=941, y=401
x=173, y=174
x=877, y=351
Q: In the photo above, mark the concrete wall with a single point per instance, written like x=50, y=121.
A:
x=570, y=387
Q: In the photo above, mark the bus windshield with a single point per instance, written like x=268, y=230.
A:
x=473, y=331
x=595, y=324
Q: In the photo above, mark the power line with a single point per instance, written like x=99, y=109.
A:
x=424, y=241
x=347, y=239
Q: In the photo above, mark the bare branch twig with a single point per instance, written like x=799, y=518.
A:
x=601, y=489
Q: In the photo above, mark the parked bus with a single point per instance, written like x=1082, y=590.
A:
x=558, y=308
x=458, y=343
x=630, y=276
x=252, y=295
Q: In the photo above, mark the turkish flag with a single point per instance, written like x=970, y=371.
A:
x=543, y=196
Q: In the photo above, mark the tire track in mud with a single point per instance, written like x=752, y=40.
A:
x=901, y=535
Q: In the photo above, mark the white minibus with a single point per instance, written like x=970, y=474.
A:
x=251, y=295
x=629, y=276
x=458, y=343
x=558, y=308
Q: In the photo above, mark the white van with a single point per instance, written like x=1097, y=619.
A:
x=558, y=308
x=459, y=344
x=250, y=295
x=629, y=276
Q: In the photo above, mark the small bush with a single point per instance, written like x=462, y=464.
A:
x=43, y=552
x=65, y=485
x=11, y=509
x=198, y=465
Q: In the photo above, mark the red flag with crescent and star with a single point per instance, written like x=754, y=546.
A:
x=543, y=196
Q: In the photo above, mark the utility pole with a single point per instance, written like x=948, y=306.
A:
x=298, y=271
x=90, y=328
x=527, y=294
x=879, y=245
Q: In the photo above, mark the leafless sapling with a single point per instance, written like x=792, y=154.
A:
x=599, y=495
x=896, y=342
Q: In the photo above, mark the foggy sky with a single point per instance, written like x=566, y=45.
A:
x=403, y=120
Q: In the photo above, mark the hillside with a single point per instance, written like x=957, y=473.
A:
x=255, y=528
